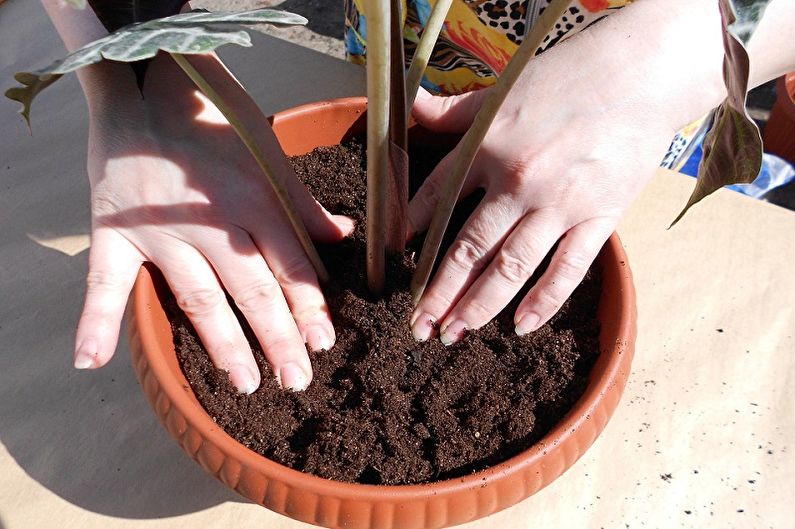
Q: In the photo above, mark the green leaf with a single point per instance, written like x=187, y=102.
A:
x=187, y=33
x=116, y=14
x=733, y=145
x=79, y=4
x=32, y=85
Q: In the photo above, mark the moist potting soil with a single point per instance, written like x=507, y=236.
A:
x=384, y=408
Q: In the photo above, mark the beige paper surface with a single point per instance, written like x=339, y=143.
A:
x=715, y=410
x=70, y=245
x=710, y=399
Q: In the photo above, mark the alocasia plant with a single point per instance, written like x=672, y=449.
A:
x=732, y=147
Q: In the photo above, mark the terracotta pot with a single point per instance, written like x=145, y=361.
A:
x=323, y=502
x=779, y=138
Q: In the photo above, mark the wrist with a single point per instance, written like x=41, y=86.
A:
x=108, y=84
x=659, y=57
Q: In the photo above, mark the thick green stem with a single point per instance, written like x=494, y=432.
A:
x=251, y=143
x=471, y=141
x=424, y=49
x=378, y=22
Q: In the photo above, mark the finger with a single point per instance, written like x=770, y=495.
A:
x=203, y=301
x=321, y=225
x=113, y=265
x=249, y=280
x=466, y=258
x=511, y=268
x=576, y=252
x=300, y=286
x=423, y=203
x=450, y=114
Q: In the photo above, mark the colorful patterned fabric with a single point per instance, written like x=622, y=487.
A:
x=480, y=37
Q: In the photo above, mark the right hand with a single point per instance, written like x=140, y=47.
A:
x=172, y=183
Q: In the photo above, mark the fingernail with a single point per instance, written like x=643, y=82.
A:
x=86, y=355
x=243, y=379
x=346, y=224
x=423, y=327
x=317, y=338
x=453, y=332
x=292, y=376
x=423, y=94
x=527, y=323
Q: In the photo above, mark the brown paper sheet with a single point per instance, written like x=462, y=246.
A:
x=710, y=400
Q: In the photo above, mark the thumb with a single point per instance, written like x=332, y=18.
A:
x=450, y=114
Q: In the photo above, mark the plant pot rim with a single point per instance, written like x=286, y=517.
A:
x=168, y=392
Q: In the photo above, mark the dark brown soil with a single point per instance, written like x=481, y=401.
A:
x=383, y=408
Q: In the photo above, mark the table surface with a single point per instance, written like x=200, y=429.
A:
x=702, y=438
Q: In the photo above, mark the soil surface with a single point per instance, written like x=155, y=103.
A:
x=383, y=408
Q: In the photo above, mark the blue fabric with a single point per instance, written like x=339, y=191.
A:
x=424, y=9
x=775, y=172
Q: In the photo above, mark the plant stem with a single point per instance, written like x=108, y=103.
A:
x=471, y=141
x=378, y=23
x=424, y=49
x=251, y=143
x=398, y=193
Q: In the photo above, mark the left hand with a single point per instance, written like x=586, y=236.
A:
x=562, y=161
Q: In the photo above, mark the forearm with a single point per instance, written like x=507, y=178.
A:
x=78, y=27
x=673, y=49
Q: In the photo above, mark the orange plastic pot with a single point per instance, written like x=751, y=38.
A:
x=328, y=503
x=779, y=136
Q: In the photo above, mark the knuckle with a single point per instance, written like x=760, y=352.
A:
x=547, y=300
x=104, y=204
x=258, y=297
x=572, y=266
x=281, y=345
x=435, y=303
x=101, y=280
x=200, y=302
x=429, y=193
x=447, y=106
x=297, y=271
x=477, y=313
x=520, y=171
x=467, y=254
x=224, y=354
x=512, y=268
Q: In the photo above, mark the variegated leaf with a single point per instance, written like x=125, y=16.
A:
x=187, y=33
x=733, y=145
x=116, y=14
x=79, y=4
x=32, y=84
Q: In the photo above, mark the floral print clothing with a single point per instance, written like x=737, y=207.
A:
x=480, y=37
